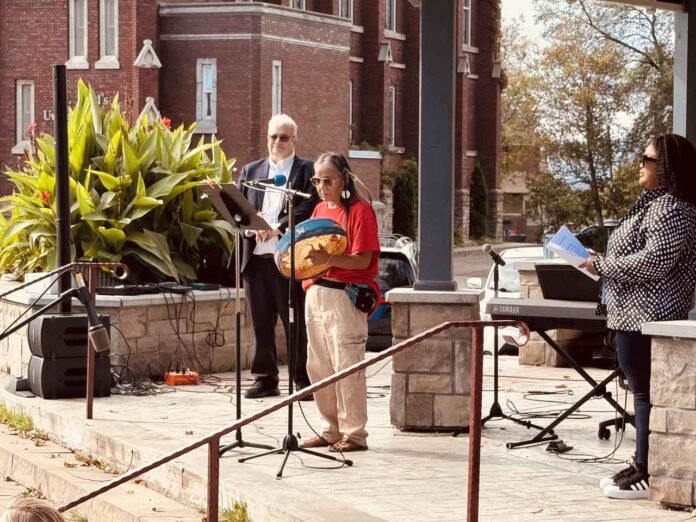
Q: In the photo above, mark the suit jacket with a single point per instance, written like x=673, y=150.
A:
x=301, y=173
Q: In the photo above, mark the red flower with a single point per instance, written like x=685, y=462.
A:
x=45, y=196
x=166, y=122
x=31, y=130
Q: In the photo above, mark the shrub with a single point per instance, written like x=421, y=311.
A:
x=478, y=204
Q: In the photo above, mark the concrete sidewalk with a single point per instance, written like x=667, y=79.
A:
x=403, y=477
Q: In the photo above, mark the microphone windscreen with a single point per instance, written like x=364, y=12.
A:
x=279, y=180
x=99, y=337
x=487, y=248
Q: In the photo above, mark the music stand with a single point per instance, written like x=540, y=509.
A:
x=290, y=443
x=236, y=209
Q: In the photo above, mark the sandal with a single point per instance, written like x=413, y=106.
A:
x=315, y=442
x=346, y=445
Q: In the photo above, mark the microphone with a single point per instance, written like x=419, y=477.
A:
x=96, y=331
x=279, y=180
x=488, y=249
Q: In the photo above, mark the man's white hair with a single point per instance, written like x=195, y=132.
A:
x=283, y=120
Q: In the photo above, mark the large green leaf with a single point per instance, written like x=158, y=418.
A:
x=113, y=237
x=190, y=233
x=165, y=186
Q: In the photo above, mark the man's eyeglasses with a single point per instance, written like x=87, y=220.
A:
x=647, y=159
x=283, y=138
x=318, y=181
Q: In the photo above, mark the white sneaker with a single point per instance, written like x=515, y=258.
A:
x=608, y=481
x=635, y=486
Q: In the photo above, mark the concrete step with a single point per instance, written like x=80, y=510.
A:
x=58, y=474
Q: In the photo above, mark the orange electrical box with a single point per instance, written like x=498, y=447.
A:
x=181, y=379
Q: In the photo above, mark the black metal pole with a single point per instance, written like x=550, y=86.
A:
x=60, y=111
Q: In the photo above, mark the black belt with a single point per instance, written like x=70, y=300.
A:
x=331, y=284
x=264, y=256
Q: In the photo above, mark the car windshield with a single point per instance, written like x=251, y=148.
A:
x=394, y=272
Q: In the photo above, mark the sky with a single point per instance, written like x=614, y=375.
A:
x=524, y=8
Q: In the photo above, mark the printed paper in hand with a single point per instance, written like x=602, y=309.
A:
x=565, y=245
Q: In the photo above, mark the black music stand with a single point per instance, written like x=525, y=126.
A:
x=236, y=209
x=290, y=443
x=496, y=411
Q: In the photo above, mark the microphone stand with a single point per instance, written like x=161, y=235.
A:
x=496, y=411
x=290, y=443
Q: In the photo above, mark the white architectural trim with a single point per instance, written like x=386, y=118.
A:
x=391, y=8
x=351, y=9
x=472, y=76
x=77, y=61
x=391, y=104
x=471, y=153
x=206, y=124
x=356, y=59
x=277, y=88
x=365, y=154
x=357, y=29
x=107, y=61
x=255, y=36
x=394, y=35
x=470, y=49
x=22, y=144
x=166, y=9
x=397, y=65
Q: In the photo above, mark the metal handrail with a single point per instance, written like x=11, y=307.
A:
x=213, y=440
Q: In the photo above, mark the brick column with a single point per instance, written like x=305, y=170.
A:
x=430, y=383
x=672, y=458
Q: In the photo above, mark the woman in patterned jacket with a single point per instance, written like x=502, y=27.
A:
x=649, y=274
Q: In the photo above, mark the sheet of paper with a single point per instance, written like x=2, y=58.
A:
x=566, y=246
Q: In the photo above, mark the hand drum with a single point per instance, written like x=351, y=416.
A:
x=313, y=234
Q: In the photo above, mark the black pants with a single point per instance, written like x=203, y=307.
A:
x=266, y=294
x=633, y=352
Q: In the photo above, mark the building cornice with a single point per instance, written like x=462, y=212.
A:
x=188, y=37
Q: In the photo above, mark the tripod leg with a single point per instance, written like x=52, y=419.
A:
x=282, y=466
x=262, y=454
x=327, y=457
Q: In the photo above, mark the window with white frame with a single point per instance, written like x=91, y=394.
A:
x=77, y=34
x=206, y=95
x=277, y=87
x=298, y=4
x=345, y=9
x=466, y=24
x=25, y=114
x=391, y=113
x=350, y=112
x=108, y=35
x=391, y=15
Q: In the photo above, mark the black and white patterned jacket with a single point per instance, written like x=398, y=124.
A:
x=650, y=265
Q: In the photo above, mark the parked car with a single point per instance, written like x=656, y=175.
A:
x=397, y=269
x=596, y=236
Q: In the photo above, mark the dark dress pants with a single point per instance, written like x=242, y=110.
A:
x=266, y=293
x=633, y=354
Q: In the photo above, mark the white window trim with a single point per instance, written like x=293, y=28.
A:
x=392, y=27
x=206, y=125
x=392, y=116
x=107, y=61
x=22, y=144
x=277, y=96
x=76, y=62
x=351, y=8
x=467, y=22
x=302, y=6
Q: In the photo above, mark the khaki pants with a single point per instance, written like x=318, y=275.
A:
x=336, y=335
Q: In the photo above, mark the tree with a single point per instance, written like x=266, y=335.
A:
x=405, y=199
x=478, y=205
x=552, y=202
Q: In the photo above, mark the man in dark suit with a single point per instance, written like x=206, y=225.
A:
x=265, y=288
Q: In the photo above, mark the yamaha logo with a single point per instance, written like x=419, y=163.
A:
x=506, y=309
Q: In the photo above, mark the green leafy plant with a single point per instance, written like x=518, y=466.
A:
x=478, y=209
x=133, y=196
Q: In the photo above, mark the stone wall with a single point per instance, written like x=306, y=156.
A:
x=672, y=459
x=155, y=333
x=430, y=383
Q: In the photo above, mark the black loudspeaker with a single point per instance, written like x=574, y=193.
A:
x=66, y=378
x=56, y=336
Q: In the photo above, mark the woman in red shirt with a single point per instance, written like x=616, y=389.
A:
x=338, y=304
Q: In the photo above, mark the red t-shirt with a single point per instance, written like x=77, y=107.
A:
x=362, y=237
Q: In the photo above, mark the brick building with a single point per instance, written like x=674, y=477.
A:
x=346, y=70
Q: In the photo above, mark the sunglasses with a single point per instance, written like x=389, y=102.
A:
x=283, y=138
x=318, y=181
x=647, y=159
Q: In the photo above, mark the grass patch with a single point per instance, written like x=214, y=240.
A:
x=21, y=423
x=237, y=513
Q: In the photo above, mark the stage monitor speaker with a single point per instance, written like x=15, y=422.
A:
x=56, y=336
x=66, y=378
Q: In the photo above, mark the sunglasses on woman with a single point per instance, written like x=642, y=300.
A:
x=318, y=181
x=647, y=159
